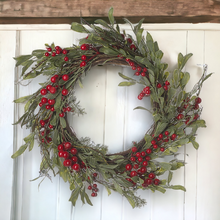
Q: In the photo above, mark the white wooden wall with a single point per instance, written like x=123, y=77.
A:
x=110, y=120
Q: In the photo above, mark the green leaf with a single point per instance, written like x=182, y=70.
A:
x=171, y=93
x=139, y=35
x=178, y=187
x=108, y=51
x=142, y=108
x=102, y=22
x=198, y=123
x=55, y=135
x=88, y=200
x=58, y=102
x=170, y=176
x=63, y=122
x=182, y=60
x=130, y=200
x=20, y=151
x=21, y=59
x=31, y=144
x=160, y=189
x=22, y=99
x=194, y=143
x=184, y=80
x=117, y=187
x=78, y=28
x=165, y=166
x=126, y=83
x=74, y=196
x=108, y=190
x=160, y=128
x=110, y=16
x=125, y=77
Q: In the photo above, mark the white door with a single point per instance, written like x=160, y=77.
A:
x=110, y=120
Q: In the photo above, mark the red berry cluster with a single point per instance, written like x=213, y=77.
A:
x=68, y=152
x=53, y=90
x=187, y=108
x=165, y=86
x=145, y=92
x=130, y=44
x=57, y=50
x=138, y=167
x=94, y=189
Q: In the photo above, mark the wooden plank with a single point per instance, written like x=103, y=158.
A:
x=68, y=10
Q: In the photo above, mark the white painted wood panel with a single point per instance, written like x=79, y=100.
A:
x=110, y=120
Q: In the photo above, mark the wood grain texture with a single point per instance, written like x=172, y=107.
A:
x=68, y=10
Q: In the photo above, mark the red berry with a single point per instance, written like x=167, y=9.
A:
x=148, y=181
x=67, y=163
x=146, y=90
x=48, y=87
x=60, y=153
x=68, y=109
x=160, y=136
x=42, y=122
x=50, y=126
x=47, y=54
x=162, y=149
x=129, y=40
x=167, y=83
x=156, y=182
x=44, y=100
x=43, y=91
x=65, y=77
x=49, y=49
x=138, y=154
x=143, y=169
x=196, y=116
x=143, y=153
x=53, y=79
x=147, y=158
x=135, y=166
x=143, y=74
x=57, y=48
x=133, y=47
x=137, y=74
x=140, y=97
x=57, y=51
x=52, y=109
x=60, y=147
x=53, y=54
x=61, y=114
x=142, y=94
x=64, y=51
x=74, y=159
x=64, y=109
x=64, y=92
x=94, y=194
x=83, y=57
x=151, y=175
x=83, y=47
x=95, y=174
x=83, y=63
x=173, y=136
x=140, y=159
x=128, y=167
x=148, y=151
x=180, y=116
x=155, y=146
x=89, y=187
x=139, y=68
x=53, y=90
x=66, y=59
x=198, y=100
x=40, y=104
x=67, y=145
x=153, y=142
x=196, y=106
x=131, y=63
x=73, y=151
x=51, y=101
x=133, y=159
x=127, y=59
x=133, y=68
x=134, y=149
x=145, y=163
x=165, y=87
x=75, y=167
x=159, y=85
x=133, y=173
x=65, y=154
x=166, y=133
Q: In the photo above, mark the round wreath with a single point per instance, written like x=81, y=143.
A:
x=176, y=113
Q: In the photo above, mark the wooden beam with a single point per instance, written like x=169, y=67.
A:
x=159, y=11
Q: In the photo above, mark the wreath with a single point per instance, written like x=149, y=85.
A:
x=84, y=165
